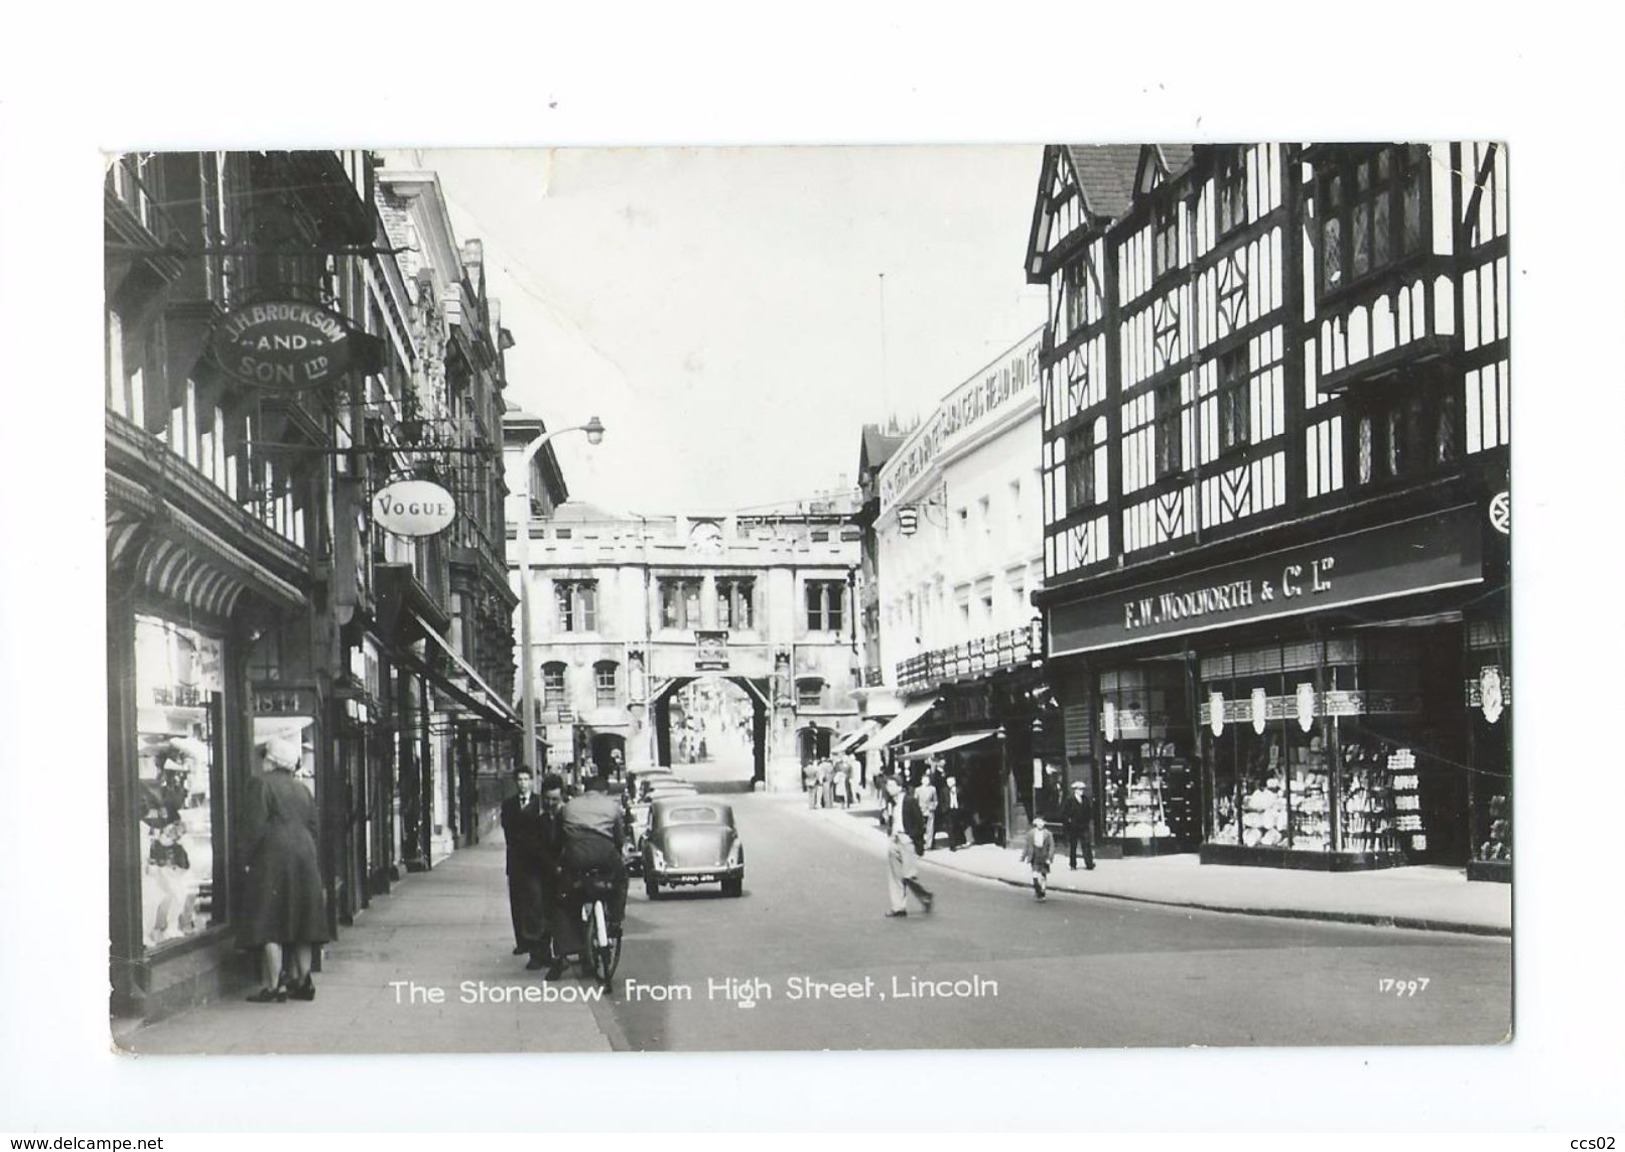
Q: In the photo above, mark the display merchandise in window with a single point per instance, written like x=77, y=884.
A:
x=1368, y=800
x=178, y=692
x=1149, y=788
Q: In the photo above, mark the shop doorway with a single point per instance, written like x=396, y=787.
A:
x=608, y=752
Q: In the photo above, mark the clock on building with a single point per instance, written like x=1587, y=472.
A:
x=706, y=537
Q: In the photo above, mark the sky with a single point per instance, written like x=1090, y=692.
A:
x=735, y=315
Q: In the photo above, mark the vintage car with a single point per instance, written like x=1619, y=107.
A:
x=660, y=788
x=692, y=840
x=637, y=826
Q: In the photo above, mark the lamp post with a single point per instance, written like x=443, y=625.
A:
x=594, y=429
x=1004, y=783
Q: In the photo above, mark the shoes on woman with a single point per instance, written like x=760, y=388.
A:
x=303, y=991
x=275, y=995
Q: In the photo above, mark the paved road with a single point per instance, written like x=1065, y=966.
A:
x=1011, y=972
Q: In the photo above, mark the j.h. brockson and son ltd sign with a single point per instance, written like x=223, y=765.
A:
x=282, y=345
x=1006, y=379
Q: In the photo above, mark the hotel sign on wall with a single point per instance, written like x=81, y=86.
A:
x=1430, y=552
x=282, y=345
x=984, y=395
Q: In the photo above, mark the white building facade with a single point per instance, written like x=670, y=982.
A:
x=960, y=543
x=628, y=610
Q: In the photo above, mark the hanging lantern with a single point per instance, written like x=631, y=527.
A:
x=1215, y=709
x=1261, y=704
x=1491, y=698
x=1108, y=722
x=1306, y=706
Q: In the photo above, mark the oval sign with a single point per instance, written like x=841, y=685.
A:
x=282, y=344
x=413, y=508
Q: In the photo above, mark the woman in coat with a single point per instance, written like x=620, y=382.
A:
x=285, y=916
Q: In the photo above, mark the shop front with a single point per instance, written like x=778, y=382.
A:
x=181, y=625
x=989, y=735
x=1304, y=707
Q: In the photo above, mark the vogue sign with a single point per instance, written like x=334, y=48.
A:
x=413, y=508
x=282, y=344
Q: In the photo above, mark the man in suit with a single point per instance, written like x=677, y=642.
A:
x=926, y=794
x=552, y=851
x=905, y=825
x=527, y=870
x=951, y=806
x=1078, y=814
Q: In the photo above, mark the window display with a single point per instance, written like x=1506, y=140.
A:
x=1149, y=792
x=178, y=690
x=1265, y=740
x=1368, y=801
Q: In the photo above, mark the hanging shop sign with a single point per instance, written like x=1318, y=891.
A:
x=283, y=345
x=1442, y=550
x=413, y=508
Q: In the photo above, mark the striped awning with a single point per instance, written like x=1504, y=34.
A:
x=899, y=724
x=960, y=740
x=850, y=742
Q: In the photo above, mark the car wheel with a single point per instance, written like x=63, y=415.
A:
x=734, y=886
x=651, y=887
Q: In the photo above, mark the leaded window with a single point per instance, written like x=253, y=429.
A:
x=1371, y=212
x=1232, y=192
x=1235, y=409
x=1170, y=455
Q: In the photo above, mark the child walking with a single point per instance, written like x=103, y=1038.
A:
x=1039, y=849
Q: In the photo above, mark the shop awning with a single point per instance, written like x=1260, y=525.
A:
x=851, y=740
x=458, y=678
x=899, y=724
x=949, y=744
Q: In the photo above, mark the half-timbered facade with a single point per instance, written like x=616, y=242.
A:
x=1275, y=424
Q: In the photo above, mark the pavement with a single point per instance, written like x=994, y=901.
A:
x=447, y=929
x=1426, y=897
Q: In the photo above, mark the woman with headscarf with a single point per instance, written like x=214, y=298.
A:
x=285, y=917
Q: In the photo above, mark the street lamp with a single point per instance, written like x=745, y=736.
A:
x=594, y=429
x=1004, y=783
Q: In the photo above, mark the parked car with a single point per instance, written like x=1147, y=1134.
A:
x=637, y=823
x=670, y=788
x=639, y=780
x=692, y=840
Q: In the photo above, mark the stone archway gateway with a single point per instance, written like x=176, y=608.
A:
x=713, y=728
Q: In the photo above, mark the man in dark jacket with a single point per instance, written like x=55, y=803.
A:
x=1078, y=814
x=527, y=869
x=905, y=827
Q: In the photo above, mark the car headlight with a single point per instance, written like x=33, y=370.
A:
x=657, y=856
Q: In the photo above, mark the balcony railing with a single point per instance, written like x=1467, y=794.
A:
x=973, y=658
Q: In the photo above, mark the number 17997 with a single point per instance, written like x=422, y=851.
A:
x=1402, y=987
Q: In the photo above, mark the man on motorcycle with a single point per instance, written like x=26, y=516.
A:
x=594, y=829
